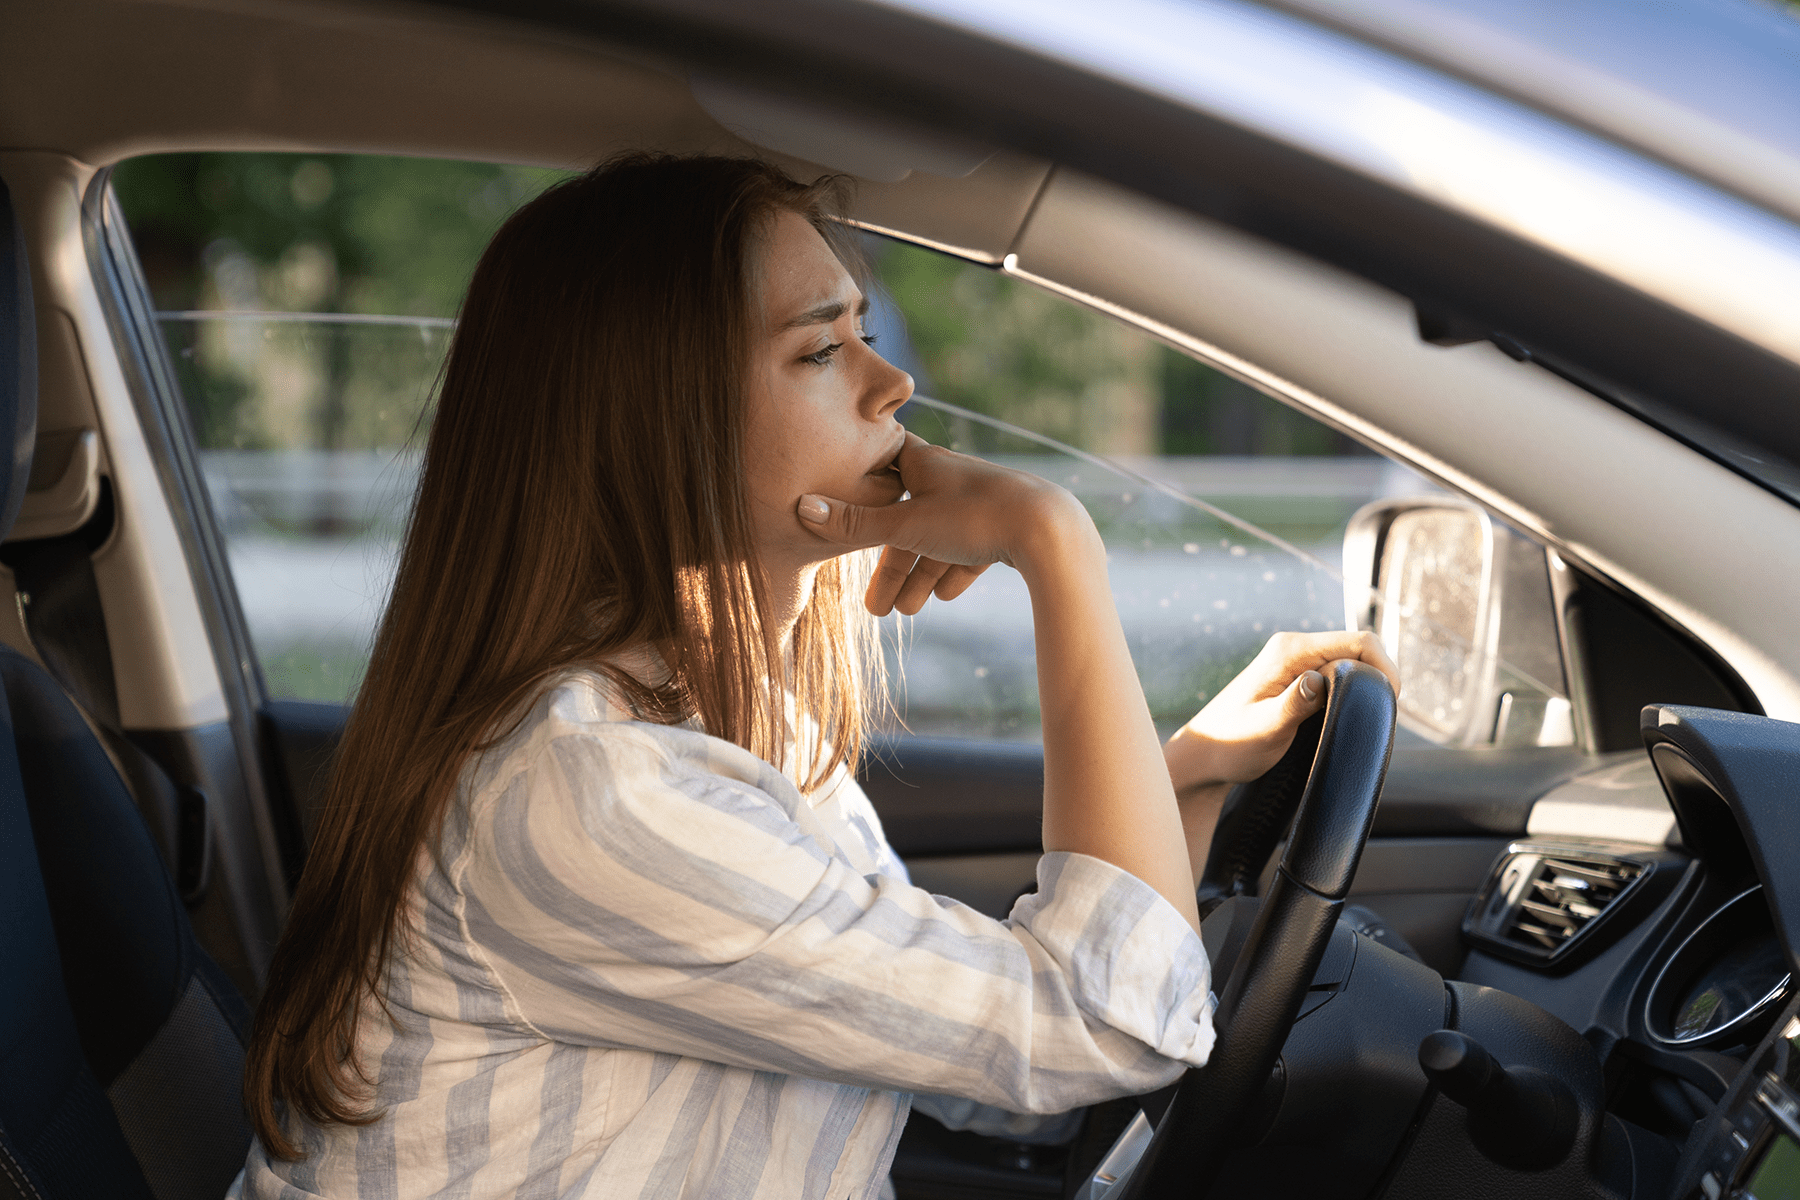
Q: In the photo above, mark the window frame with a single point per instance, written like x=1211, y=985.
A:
x=162, y=419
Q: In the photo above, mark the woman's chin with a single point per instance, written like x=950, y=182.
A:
x=881, y=488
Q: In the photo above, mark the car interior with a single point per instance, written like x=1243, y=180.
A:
x=1564, y=965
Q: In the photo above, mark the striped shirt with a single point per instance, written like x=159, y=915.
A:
x=647, y=966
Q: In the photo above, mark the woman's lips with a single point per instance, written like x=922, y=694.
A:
x=891, y=464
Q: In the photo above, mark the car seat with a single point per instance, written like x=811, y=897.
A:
x=121, y=1042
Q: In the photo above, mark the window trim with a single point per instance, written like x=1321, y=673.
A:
x=162, y=418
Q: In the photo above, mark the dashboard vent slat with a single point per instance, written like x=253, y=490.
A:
x=1539, y=899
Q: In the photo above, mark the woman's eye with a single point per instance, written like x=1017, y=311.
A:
x=869, y=339
x=823, y=356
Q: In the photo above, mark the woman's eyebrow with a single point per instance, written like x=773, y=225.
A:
x=822, y=314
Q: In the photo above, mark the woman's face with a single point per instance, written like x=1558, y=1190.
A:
x=821, y=401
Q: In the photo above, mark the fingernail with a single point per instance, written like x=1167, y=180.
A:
x=1310, y=683
x=814, y=509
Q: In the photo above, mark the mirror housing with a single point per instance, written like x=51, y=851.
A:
x=1464, y=606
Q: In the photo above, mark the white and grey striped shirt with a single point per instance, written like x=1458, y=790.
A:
x=646, y=966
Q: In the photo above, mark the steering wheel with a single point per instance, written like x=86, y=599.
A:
x=1285, y=945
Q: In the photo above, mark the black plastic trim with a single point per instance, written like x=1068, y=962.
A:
x=1700, y=945
x=1730, y=779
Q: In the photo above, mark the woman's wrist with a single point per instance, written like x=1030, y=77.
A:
x=1200, y=808
x=1192, y=759
x=1058, y=536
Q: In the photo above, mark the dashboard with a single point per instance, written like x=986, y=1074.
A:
x=1748, y=1147
x=1654, y=906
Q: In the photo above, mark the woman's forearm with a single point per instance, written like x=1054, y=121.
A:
x=1107, y=791
x=1200, y=809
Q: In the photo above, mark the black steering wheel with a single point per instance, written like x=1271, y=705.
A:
x=1268, y=980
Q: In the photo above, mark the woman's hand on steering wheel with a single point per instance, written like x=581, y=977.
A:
x=1248, y=726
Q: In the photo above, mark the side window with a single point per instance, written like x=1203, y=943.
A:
x=307, y=302
x=1224, y=511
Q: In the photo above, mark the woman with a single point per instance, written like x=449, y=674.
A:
x=595, y=907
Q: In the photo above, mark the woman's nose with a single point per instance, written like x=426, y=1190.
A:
x=888, y=387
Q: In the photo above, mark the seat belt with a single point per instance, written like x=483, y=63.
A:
x=59, y=605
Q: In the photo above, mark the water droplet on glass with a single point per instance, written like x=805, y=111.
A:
x=1190, y=547
x=1238, y=552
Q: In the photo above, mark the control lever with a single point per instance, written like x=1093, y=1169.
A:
x=1519, y=1117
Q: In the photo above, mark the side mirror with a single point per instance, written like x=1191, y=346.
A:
x=1464, y=605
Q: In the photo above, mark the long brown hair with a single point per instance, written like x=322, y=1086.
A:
x=583, y=492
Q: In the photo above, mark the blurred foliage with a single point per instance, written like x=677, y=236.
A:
x=328, y=670
x=267, y=385
x=1003, y=348
x=324, y=233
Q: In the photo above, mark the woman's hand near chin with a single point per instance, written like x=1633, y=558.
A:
x=960, y=516
x=1248, y=726
x=1107, y=791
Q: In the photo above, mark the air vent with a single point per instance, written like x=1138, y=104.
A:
x=1541, y=899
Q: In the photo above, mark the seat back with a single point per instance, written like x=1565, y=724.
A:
x=121, y=1043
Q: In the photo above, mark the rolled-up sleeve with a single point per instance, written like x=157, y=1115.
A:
x=623, y=895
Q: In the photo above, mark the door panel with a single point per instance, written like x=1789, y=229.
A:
x=987, y=883
x=951, y=796
x=299, y=738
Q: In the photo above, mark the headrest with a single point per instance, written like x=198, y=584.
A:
x=18, y=364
